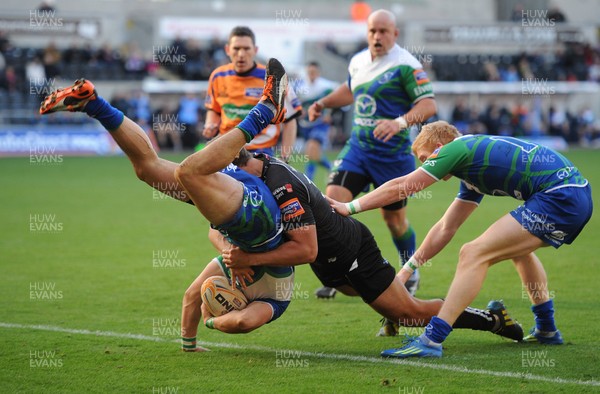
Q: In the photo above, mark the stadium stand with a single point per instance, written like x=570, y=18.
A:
x=29, y=69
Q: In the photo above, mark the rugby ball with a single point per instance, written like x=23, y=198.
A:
x=220, y=297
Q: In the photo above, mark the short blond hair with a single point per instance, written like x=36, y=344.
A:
x=440, y=132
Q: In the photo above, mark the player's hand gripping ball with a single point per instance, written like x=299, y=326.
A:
x=220, y=297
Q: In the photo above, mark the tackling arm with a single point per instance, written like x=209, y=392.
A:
x=301, y=248
x=390, y=192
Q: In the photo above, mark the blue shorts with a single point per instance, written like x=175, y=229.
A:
x=278, y=307
x=379, y=169
x=256, y=226
x=356, y=170
x=319, y=133
x=557, y=216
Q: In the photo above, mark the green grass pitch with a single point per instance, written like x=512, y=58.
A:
x=85, y=247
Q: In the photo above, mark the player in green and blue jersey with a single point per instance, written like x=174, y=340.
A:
x=390, y=91
x=557, y=205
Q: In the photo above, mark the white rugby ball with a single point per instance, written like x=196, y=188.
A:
x=220, y=297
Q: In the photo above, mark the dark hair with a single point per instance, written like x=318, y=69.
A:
x=314, y=64
x=243, y=158
x=242, y=31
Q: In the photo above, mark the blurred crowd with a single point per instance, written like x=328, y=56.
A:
x=527, y=120
x=181, y=59
x=24, y=71
x=572, y=61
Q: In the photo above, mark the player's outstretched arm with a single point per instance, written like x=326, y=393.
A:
x=438, y=236
x=392, y=191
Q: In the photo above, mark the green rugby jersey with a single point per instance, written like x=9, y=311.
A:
x=384, y=88
x=501, y=166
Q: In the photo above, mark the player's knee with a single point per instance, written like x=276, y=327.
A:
x=470, y=255
x=243, y=324
x=182, y=174
x=192, y=293
x=397, y=226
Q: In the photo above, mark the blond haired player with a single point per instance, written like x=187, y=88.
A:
x=557, y=204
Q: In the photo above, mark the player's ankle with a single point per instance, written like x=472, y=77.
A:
x=188, y=344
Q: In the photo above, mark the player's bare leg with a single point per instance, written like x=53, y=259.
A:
x=347, y=290
x=534, y=279
x=131, y=138
x=399, y=307
x=396, y=304
x=156, y=172
x=505, y=239
x=533, y=276
x=253, y=316
x=338, y=193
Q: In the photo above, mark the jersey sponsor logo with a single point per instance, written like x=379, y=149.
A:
x=429, y=163
x=365, y=105
x=233, y=112
x=367, y=122
x=253, y=92
x=291, y=209
x=420, y=77
x=278, y=192
x=421, y=90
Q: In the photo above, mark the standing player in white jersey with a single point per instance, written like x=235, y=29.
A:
x=316, y=132
x=391, y=92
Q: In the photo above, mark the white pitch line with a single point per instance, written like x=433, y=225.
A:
x=333, y=356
